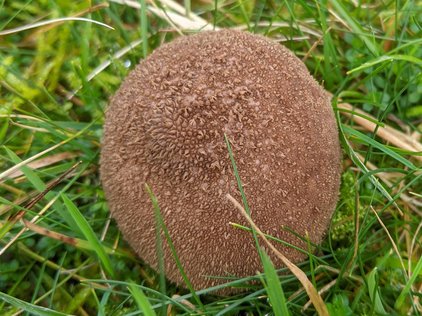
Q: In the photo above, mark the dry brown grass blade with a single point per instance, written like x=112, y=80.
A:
x=396, y=250
x=386, y=132
x=324, y=289
x=11, y=170
x=12, y=189
x=35, y=200
x=51, y=234
x=313, y=294
x=43, y=193
x=412, y=248
x=6, y=208
x=21, y=116
x=314, y=45
x=48, y=22
x=330, y=284
x=31, y=128
x=16, y=167
x=16, y=237
x=44, y=162
x=33, y=36
x=184, y=302
x=273, y=25
x=174, y=15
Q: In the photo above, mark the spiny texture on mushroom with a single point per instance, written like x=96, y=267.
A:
x=165, y=127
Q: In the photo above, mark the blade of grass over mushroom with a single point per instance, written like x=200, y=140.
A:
x=160, y=252
x=141, y=300
x=248, y=229
x=273, y=287
x=88, y=234
x=242, y=193
x=159, y=217
x=379, y=146
x=28, y=307
x=313, y=294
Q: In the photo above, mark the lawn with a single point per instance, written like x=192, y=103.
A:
x=60, y=61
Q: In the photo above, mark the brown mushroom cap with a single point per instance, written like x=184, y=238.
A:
x=165, y=127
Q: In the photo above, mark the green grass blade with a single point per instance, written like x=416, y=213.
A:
x=88, y=233
x=103, y=304
x=9, y=171
x=351, y=153
x=378, y=145
x=160, y=256
x=144, y=27
x=159, y=217
x=374, y=293
x=384, y=59
x=406, y=289
x=79, y=299
x=164, y=299
x=273, y=286
x=355, y=27
x=28, y=307
x=141, y=300
x=188, y=7
x=4, y=123
x=242, y=192
x=28, y=172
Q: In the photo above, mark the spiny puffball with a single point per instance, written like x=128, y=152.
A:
x=165, y=127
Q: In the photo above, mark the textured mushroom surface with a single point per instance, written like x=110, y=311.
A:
x=165, y=127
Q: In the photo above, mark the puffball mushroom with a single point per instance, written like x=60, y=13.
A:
x=165, y=127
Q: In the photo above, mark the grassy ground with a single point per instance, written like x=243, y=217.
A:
x=61, y=251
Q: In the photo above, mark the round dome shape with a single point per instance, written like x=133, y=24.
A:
x=165, y=127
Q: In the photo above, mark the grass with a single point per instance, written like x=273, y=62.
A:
x=60, y=61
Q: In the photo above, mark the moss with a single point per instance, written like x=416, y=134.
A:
x=343, y=223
